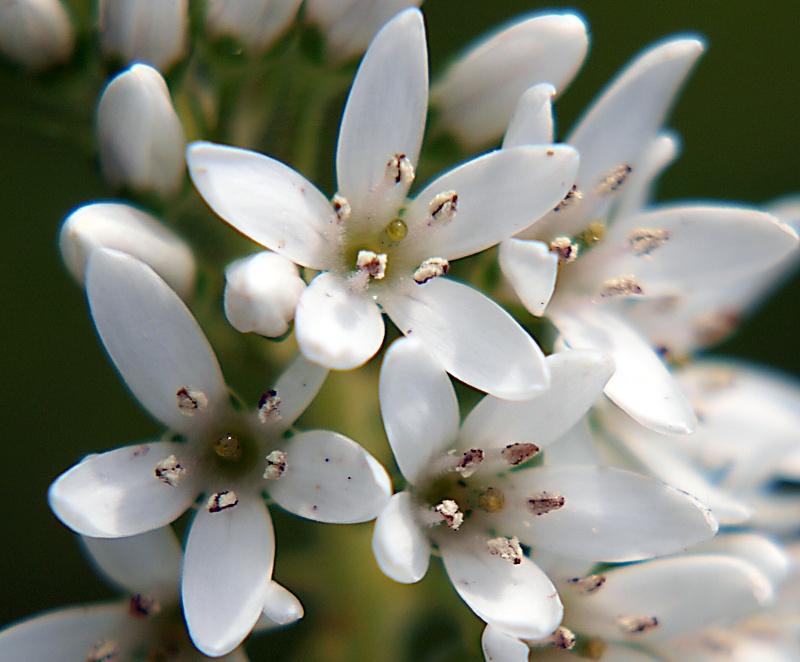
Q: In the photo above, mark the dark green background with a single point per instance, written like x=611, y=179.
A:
x=738, y=118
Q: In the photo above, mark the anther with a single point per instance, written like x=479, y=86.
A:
x=450, y=513
x=170, y=471
x=644, y=241
x=637, y=624
x=372, y=264
x=492, y=500
x=613, y=180
x=143, y=605
x=564, y=639
x=221, y=501
x=624, y=286
x=397, y=229
x=228, y=447
x=442, y=209
x=588, y=584
x=573, y=195
x=469, y=462
x=431, y=268
x=190, y=400
x=342, y=208
x=276, y=465
x=565, y=248
x=103, y=651
x=269, y=406
x=399, y=170
x=506, y=548
x=545, y=502
x=516, y=454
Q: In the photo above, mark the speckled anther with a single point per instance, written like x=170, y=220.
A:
x=276, y=465
x=637, y=624
x=372, y=264
x=341, y=207
x=573, y=195
x=613, y=180
x=190, y=400
x=442, y=209
x=545, y=502
x=565, y=248
x=624, y=286
x=170, y=471
x=269, y=406
x=431, y=268
x=516, y=454
x=508, y=549
x=106, y=650
x=222, y=501
x=450, y=513
x=399, y=170
x=588, y=584
x=644, y=241
x=143, y=606
x=469, y=462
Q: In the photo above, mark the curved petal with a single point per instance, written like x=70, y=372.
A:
x=518, y=599
x=418, y=406
x=337, y=327
x=266, y=201
x=576, y=382
x=401, y=547
x=763, y=553
x=226, y=572
x=117, y=493
x=499, y=194
x=149, y=563
x=607, y=514
x=152, y=338
x=474, y=339
x=385, y=112
x=297, y=386
x=501, y=647
x=638, y=193
x=531, y=269
x=281, y=607
x=532, y=123
x=641, y=384
x=330, y=478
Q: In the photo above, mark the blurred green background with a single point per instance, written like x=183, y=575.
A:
x=738, y=118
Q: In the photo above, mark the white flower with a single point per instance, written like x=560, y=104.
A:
x=147, y=623
x=35, y=33
x=153, y=31
x=130, y=230
x=623, y=254
x=141, y=137
x=228, y=455
x=349, y=25
x=478, y=494
x=379, y=252
x=255, y=23
x=261, y=293
x=478, y=93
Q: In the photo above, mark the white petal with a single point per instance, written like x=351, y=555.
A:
x=608, y=514
x=330, y=478
x=140, y=136
x=118, y=494
x=226, y=573
x=531, y=269
x=401, y=547
x=152, y=338
x=518, y=599
x=297, y=386
x=641, y=383
x=335, y=326
x=154, y=31
x=499, y=194
x=576, y=382
x=255, y=23
x=766, y=555
x=266, y=201
x=65, y=634
x=261, y=294
x=501, y=647
x=129, y=230
x=684, y=594
x=477, y=95
x=281, y=607
x=532, y=123
x=418, y=406
x=576, y=446
x=149, y=563
x=385, y=112
x=472, y=337
x=638, y=192
x=36, y=33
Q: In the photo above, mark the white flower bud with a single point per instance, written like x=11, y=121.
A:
x=141, y=138
x=126, y=229
x=35, y=33
x=261, y=294
x=349, y=25
x=255, y=23
x=154, y=31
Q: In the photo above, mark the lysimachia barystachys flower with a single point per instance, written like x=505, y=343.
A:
x=213, y=449
x=376, y=250
x=255, y=23
x=475, y=495
x=146, y=624
x=36, y=33
x=608, y=258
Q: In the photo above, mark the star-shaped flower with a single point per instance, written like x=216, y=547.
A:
x=213, y=449
x=379, y=252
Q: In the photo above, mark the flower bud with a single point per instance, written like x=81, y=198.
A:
x=141, y=138
x=261, y=294
x=254, y=23
x=35, y=33
x=154, y=31
x=130, y=230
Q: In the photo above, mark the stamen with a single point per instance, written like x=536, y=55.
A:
x=399, y=170
x=492, y=500
x=613, y=180
x=103, y=651
x=516, y=454
x=170, y=471
x=623, y=286
x=506, y=548
x=431, y=268
x=276, y=465
x=545, y=502
x=644, y=241
x=143, y=605
x=637, y=624
x=342, y=208
x=450, y=513
x=190, y=400
x=397, y=229
x=442, y=209
x=565, y=248
x=268, y=406
x=469, y=462
x=588, y=584
x=372, y=264
x=573, y=195
x=222, y=501
x=228, y=447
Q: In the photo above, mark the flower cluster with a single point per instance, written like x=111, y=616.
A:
x=593, y=487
